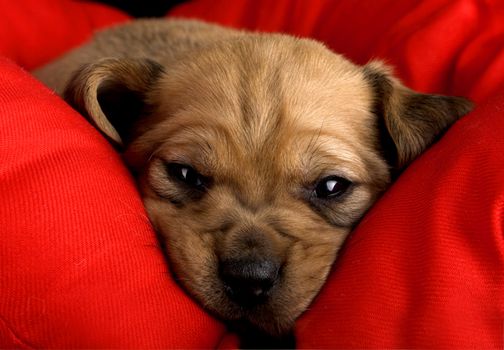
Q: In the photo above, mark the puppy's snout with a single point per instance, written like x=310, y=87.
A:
x=249, y=281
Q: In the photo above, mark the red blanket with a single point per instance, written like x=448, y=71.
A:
x=79, y=263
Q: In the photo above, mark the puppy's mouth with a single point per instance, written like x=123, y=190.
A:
x=246, y=291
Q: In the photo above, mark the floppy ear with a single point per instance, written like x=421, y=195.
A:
x=111, y=93
x=409, y=121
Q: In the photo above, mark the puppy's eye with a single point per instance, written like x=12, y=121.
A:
x=187, y=175
x=331, y=187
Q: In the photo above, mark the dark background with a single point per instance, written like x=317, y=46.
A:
x=143, y=8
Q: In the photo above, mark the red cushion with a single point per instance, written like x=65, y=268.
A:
x=79, y=261
x=32, y=32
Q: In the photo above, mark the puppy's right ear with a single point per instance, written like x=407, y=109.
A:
x=111, y=93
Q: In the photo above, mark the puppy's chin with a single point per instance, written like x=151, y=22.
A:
x=274, y=316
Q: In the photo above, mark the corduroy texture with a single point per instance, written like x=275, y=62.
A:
x=79, y=263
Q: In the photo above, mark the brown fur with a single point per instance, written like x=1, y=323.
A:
x=263, y=117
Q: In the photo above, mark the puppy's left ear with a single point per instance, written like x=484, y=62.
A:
x=112, y=94
x=409, y=121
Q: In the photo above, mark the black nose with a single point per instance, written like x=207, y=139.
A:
x=248, y=281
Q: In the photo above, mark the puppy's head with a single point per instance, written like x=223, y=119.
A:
x=255, y=158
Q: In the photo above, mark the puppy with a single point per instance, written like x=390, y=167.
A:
x=255, y=154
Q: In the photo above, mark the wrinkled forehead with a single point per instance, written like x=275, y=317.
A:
x=254, y=102
x=255, y=75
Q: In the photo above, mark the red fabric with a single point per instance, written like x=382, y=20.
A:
x=79, y=262
x=32, y=32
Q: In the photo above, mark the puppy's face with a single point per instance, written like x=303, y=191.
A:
x=255, y=159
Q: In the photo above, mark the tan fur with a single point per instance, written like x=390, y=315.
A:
x=266, y=117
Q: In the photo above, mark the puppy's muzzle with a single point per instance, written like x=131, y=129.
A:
x=248, y=281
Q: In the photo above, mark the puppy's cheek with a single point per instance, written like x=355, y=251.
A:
x=190, y=252
x=310, y=262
